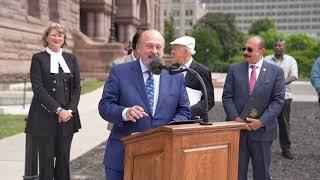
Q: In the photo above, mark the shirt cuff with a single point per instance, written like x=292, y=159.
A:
x=124, y=117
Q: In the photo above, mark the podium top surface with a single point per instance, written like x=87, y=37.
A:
x=188, y=128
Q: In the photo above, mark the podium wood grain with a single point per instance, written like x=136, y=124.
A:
x=184, y=152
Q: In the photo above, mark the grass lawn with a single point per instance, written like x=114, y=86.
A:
x=14, y=124
x=90, y=85
x=11, y=125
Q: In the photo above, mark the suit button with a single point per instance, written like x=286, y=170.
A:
x=53, y=89
x=66, y=88
x=54, y=81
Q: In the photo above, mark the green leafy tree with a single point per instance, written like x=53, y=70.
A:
x=304, y=49
x=169, y=35
x=296, y=42
x=208, y=47
x=270, y=36
x=224, y=24
x=261, y=25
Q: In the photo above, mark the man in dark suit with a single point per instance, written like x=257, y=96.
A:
x=140, y=101
x=265, y=82
x=182, y=51
x=134, y=55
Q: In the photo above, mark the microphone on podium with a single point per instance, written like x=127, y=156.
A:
x=156, y=66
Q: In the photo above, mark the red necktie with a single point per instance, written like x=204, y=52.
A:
x=253, y=78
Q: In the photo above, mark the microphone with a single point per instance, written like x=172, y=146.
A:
x=196, y=74
x=156, y=65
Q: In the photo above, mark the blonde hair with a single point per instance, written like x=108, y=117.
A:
x=59, y=28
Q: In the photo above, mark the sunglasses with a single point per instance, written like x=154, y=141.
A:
x=249, y=49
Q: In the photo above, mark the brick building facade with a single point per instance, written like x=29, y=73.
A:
x=22, y=23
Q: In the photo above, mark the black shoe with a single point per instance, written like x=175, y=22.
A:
x=287, y=154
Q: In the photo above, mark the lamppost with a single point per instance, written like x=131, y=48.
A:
x=207, y=56
x=112, y=36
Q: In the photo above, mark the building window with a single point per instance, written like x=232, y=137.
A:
x=189, y=12
x=34, y=8
x=188, y=22
x=53, y=11
x=175, y=12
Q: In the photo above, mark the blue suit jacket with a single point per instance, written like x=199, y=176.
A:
x=125, y=88
x=269, y=90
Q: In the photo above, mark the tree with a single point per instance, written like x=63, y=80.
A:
x=261, y=25
x=224, y=24
x=296, y=42
x=270, y=36
x=304, y=49
x=208, y=47
x=169, y=35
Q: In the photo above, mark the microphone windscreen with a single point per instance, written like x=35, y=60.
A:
x=155, y=66
x=176, y=65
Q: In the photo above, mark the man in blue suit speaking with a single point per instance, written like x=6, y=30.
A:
x=265, y=82
x=136, y=100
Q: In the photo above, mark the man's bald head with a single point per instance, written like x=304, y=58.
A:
x=258, y=40
x=254, y=49
x=150, y=44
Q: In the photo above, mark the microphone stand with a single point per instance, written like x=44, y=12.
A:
x=203, y=85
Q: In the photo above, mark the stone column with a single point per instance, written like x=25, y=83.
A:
x=100, y=24
x=90, y=24
x=107, y=27
x=121, y=32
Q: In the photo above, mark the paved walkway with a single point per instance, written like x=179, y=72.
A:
x=94, y=131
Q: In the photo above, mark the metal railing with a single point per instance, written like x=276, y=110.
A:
x=31, y=152
x=6, y=80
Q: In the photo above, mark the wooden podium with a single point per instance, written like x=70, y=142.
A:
x=184, y=152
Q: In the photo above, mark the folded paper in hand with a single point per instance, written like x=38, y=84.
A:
x=194, y=96
x=253, y=109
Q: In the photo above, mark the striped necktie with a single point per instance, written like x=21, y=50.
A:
x=150, y=89
x=253, y=78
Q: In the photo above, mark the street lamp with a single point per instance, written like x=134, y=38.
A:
x=112, y=36
x=207, y=56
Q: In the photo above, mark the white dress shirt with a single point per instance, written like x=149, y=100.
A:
x=258, y=68
x=156, y=81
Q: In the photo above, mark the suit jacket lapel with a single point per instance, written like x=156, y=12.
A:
x=136, y=75
x=163, y=87
x=68, y=62
x=188, y=76
x=261, y=77
x=244, y=76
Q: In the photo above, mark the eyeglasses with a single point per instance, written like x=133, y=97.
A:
x=249, y=49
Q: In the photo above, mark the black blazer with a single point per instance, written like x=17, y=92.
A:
x=51, y=91
x=193, y=82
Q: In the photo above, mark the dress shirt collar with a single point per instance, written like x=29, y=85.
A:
x=258, y=64
x=143, y=66
x=133, y=56
x=188, y=64
x=57, y=59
